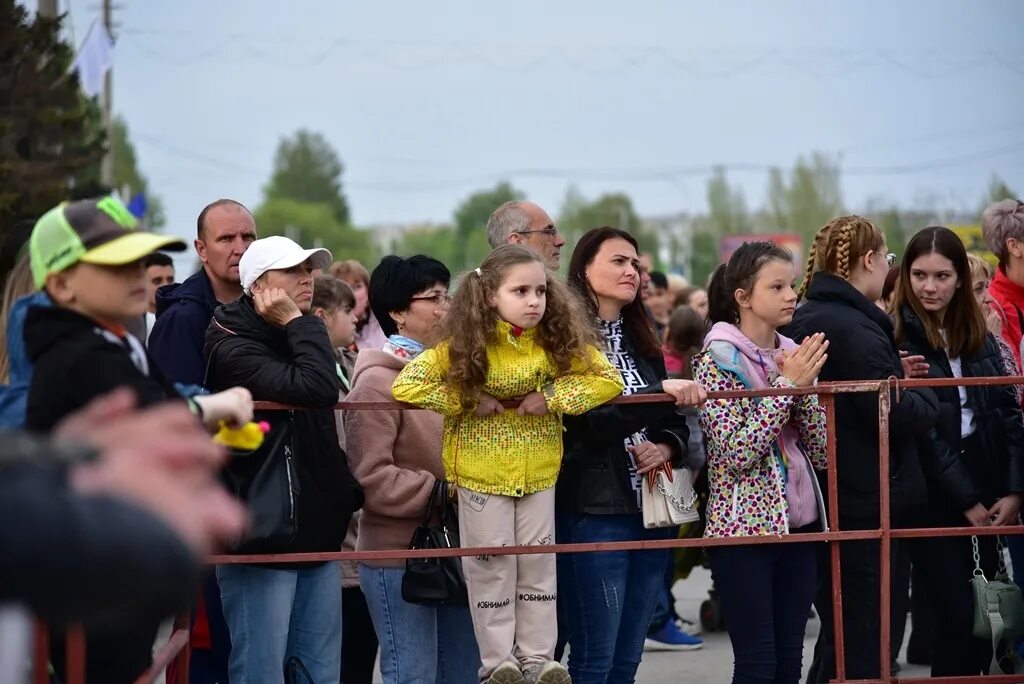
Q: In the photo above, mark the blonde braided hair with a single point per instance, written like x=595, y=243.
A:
x=843, y=251
x=838, y=244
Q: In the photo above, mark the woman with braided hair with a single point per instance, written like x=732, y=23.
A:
x=846, y=270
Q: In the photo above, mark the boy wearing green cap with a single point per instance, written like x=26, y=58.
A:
x=87, y=257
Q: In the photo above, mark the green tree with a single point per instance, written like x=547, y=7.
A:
x=811, y=197
x=888, y=217
x=610, y=209
x=313, y=224
x=726, y=207
x=470, y=223
x=128, y=177
x=704, y=260
x=307, y=169
x=50, y=134
x=437, y=242
x=997, y=190
x=777, y=207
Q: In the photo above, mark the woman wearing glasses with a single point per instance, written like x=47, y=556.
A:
x=938, y=317
x=846, y=271
x=396, y=456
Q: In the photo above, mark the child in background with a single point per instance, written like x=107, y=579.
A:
x=335, y=303
x=368, y=332
x=513, y=331
x=683, y=340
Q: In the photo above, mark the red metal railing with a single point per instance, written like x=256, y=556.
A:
x=176, y=650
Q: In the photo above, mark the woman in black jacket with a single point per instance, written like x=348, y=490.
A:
x=607, y=452
x=297, y=484
x=938, y=317
x=846, y=272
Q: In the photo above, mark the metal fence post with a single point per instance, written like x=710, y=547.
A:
x=829, y=401
x=884, y=406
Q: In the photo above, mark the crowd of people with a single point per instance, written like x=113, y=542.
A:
x=115, y=377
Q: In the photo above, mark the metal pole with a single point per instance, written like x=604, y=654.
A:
x=41, y=657
x=829, y=401
x=75, y=655
x=107, y=165
x=47, y=8
x=884, y=401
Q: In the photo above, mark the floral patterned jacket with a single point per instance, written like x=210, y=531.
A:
x=747, y=482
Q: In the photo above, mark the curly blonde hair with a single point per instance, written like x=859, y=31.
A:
x=471, y=325
x=840, y=243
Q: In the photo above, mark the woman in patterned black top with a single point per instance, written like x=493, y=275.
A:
x=607, y=599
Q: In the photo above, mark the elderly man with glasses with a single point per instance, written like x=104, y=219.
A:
x=525, y=223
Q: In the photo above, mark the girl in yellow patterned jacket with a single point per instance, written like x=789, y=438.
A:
x=512, y=332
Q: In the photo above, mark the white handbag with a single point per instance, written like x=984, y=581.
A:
x=668, y=497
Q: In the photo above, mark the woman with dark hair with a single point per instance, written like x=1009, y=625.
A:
x=396, y=456
x=937, y=316
x=608, y=451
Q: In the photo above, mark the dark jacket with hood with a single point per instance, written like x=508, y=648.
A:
x=595, y=475
x=183, y=312
x=862, y=347
x=291, y=365
x=996, y=467
x=76, y=360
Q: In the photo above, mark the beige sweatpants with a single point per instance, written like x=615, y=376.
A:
x=511, y=598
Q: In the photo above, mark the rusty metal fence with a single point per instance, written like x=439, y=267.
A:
x=175, y=652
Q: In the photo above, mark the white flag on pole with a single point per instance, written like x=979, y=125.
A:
x=94, y=59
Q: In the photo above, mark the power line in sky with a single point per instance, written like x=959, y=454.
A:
x=635, y=175
x=307, y=50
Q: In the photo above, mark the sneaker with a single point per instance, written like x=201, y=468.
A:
x=550, y=672
x=688, y=626
x=671, y=638
x=506, y=673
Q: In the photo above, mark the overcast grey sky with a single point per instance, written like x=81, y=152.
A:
x=427, y=102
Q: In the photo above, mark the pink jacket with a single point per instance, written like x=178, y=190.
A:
x=762, y=452
x=395, y=456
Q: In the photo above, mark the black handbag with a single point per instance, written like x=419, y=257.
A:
x=436, y=581
x=267, y=481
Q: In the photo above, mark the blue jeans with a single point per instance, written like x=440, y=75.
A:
x=276, y=616
x=665, y=609
x=608, y=598
x=418, y=644
x=767, y=591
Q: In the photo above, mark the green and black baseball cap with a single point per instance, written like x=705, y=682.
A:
x=97, y=231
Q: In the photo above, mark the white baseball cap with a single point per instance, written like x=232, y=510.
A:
x=275, y=253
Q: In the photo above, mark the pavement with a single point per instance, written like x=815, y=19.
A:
x=713, y=663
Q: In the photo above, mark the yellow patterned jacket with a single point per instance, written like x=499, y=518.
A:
x=507, y=454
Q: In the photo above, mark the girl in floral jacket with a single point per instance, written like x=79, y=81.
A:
x=513, y=331
x=762, y=454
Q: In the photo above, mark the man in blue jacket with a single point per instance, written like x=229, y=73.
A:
x=225, y=229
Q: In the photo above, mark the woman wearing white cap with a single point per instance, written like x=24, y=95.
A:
x=284, y=620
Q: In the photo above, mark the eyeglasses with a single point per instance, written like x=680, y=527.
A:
x=890, y=259
x=550, y=231
x=437, y=299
